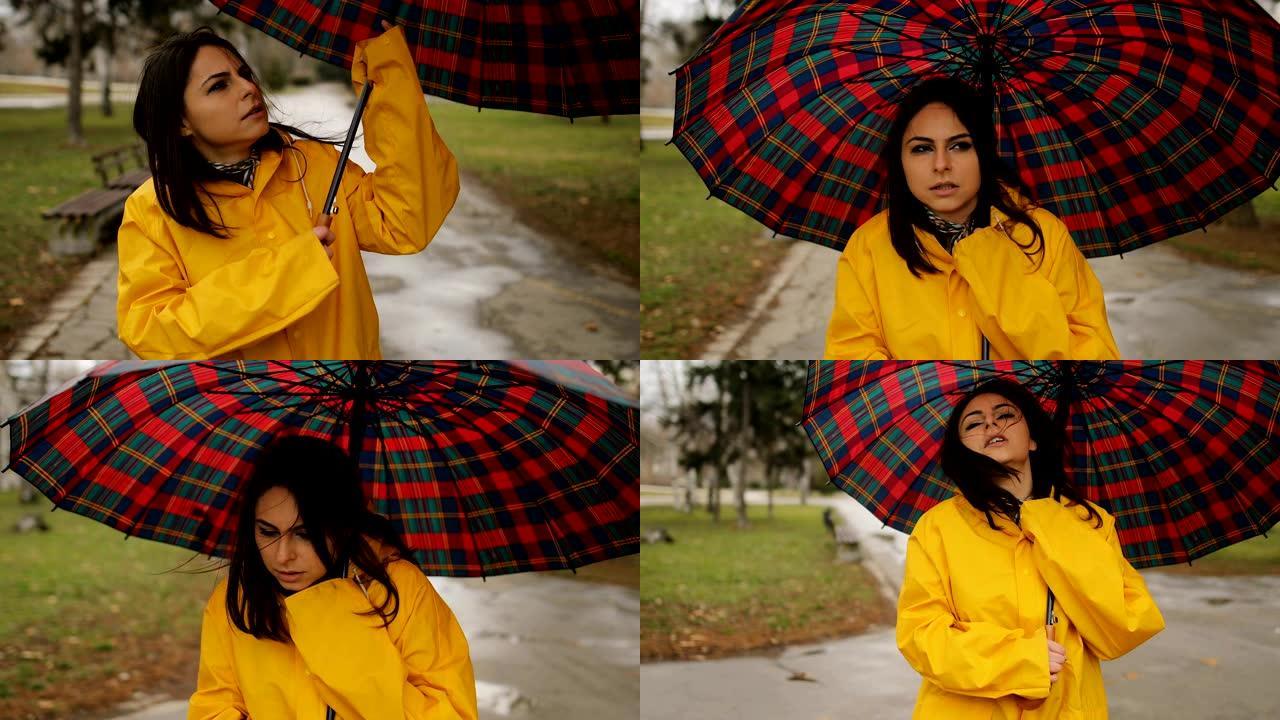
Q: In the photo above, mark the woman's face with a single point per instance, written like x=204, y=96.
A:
x=223, y=110
x=995, y=427
x=941, y=163
x=284, y=542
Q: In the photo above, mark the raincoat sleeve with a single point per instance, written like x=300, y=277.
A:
x=217, y=695
x=1094, y=584
x=397, y=208
x=1055, y=312
x=363, y=673
x=854, y=332
x=162, y=315
x=979, y=659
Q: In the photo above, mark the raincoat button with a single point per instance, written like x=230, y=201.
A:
x=961, y=313
x=271, y=236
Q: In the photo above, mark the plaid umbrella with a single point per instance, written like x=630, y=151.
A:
x=559, y=57
x=486, y=468
x=1185, y=455
x=1131, y=121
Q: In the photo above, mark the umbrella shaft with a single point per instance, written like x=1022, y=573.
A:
x=330, y=202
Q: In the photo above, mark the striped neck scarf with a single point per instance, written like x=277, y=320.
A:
x=239, y=172
x=947, y=232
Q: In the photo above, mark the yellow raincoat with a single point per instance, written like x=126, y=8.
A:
x=419, y=668
x=270, y=291
x=1053, y=311
x=971, y=615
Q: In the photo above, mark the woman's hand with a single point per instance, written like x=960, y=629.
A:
x=1057, y=657
x=325, y=236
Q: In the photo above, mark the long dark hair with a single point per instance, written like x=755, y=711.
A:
x=176, y=166
x=975, y=474
x=906, y=213
x=325, y=484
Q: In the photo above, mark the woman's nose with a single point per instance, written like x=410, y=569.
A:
x=941, y=160
x=284, y=549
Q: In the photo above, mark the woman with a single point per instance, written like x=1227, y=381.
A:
x=960, y=254
x=285, y=634
x=225, y=253
x=971, y=614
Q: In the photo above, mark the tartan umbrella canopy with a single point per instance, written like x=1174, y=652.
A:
x=486, y=468
x=1131, y=121
x=1185, y=455
x=571, y=58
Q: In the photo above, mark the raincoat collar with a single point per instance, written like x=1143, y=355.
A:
x=269, y=161
x=1008, y=531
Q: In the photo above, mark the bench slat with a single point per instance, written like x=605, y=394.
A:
x=89, y=204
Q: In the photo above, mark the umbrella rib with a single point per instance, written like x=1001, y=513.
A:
x=1092, y=174
x=1193, y=113
x=1255, y=446
x=1145, y=462
x=246, y=374
x=920, y=39
x=462, y=504
x=208, y=429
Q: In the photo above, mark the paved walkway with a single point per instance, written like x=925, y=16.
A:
x=1216, y=658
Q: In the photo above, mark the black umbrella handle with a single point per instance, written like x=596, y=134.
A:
x=1049, y=618
x=330, y=202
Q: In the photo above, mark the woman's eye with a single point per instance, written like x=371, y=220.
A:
x=920, y=148
x=962, y=146
x=971, y=426
x=218, y=86
x=266, y=533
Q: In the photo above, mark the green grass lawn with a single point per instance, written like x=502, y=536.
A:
x=87, y=618
x=702, y=262
x=577, y=181
x=37, y=171
x=718, y=590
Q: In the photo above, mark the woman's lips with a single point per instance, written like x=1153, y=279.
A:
x=945, y=190
x=256, y=113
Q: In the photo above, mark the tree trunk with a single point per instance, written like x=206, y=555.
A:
x=740, y=490
x=106, y=53
x=75, y=68
x=804, y=481
x=713, y=493
x=740, y=494
x=769, y=474
x=691, y=480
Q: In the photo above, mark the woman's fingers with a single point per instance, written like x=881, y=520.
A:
x=386, y=25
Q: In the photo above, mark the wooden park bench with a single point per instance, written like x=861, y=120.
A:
x=92, y=218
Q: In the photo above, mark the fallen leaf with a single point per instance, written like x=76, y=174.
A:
x=46, y=704
x=1211, y=662
x=591, y=327
x=1132, y=675
x=801, y=677
x=16, y=302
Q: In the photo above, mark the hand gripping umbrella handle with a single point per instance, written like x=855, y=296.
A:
x=330, y=207
x=1049, y=620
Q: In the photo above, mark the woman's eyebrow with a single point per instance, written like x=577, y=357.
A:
x=268, y=525
x=224, y=73
x=950, y=139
